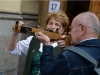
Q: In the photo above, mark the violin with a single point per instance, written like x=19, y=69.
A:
x=52, y=35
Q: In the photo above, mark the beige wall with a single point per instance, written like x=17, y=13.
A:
x=10, y=5
x=27, y=6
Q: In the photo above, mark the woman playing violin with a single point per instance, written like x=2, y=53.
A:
x=32, y=47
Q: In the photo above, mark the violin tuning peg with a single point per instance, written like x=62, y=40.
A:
x=17, y=22
x=38, y=26
x=57, y=30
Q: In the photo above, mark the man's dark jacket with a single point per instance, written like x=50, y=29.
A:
x=72, y=64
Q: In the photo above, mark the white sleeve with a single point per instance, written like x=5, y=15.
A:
x=22, y=46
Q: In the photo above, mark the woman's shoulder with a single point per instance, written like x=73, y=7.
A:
x=29, y=38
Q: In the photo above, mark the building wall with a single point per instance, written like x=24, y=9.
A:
x=10, y=5
x=10, y=11
x=29, y=6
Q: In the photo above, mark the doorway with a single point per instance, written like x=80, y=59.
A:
x=76, y=7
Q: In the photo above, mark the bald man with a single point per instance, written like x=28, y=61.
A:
x=84, y=31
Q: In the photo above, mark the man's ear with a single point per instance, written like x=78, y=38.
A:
x=83, y=29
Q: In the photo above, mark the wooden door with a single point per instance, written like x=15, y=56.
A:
x=95, y=8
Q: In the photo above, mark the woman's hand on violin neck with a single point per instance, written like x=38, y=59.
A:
x=21, y=23
x=43, y=38
x=61, y=43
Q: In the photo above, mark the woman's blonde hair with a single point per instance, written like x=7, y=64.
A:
x=61, y=17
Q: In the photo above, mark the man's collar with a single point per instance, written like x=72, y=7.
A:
x=88, y=39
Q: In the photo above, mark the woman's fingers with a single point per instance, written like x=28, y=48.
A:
x=21, y=23
x=61, y=43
